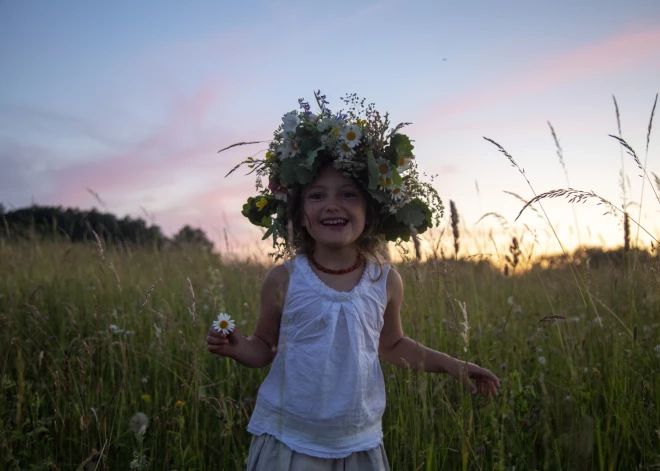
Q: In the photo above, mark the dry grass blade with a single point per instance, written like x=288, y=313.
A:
x=632, y=152
x=241, y=144
x=117, y=279
x=99, y=245
x=618, y=116
x=508, y=156
x=581, y=196
x=503, y=222
x=148, y=293
x=560, y=151
x=68, y=251
x=648, y=134
x=629, y=150
x=96, y=196
x=657, y=180
x=192, y=308
x=521, y=199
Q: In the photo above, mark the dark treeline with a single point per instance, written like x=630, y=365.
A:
x=79, y=226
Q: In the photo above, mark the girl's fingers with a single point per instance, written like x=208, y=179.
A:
x=217, y=340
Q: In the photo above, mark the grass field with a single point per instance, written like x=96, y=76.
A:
x=94, y=345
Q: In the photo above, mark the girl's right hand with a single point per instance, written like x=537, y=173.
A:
x=221, y=344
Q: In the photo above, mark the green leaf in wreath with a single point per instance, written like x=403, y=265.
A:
x=288, y=171
x=305, y=175
x=411, y=214
x=396, y=178
x=373, y=171
x=400, y=146
x=311, y=155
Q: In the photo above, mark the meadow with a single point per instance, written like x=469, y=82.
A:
x=103, y=362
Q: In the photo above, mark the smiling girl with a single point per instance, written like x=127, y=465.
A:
x=331, y=313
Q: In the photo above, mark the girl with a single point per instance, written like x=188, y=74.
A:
x=330, y=313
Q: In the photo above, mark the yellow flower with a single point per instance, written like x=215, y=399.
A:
x=179, y=403
x=270, y=155
x=361, y=122
x=146, y=398
x=335, y=131
x=261, y=204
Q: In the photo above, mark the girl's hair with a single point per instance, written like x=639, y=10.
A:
x=369, y=244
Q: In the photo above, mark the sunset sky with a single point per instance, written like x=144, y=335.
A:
x=132, y=99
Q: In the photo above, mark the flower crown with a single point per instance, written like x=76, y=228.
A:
x=357, y=142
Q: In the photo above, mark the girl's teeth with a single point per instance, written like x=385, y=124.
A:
x=333, y=222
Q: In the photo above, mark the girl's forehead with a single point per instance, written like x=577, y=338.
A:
x=330, y=175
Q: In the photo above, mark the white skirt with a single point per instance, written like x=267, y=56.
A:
x=267, y=453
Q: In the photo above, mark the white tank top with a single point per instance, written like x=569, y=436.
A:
x=324, y=395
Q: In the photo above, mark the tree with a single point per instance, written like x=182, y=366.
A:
x=193, y=237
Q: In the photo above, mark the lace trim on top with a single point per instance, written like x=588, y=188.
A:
x=324, y=290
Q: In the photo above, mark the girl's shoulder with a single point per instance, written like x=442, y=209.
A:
x=277, y=278
x=394, y=284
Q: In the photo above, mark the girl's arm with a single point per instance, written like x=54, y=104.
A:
x=399, y=350
x=257, y=350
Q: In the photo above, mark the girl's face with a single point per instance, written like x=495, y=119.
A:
x=333, y=209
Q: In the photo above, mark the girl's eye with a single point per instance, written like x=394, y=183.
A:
x=315, y=196
x=350, y=194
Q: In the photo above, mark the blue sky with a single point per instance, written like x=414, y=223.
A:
x=133, y=99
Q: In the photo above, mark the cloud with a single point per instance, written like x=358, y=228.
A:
x=180, y=143
x=25, y=117
x=623, y=52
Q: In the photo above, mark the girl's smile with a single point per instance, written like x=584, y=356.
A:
x=334, y=209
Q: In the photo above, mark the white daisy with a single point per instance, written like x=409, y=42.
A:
x=224, y=324
x=404, y=163
x=291, y=122
x=384, y=169
x=289, y=149
x=398, y=193
x=385, y=182
x=345, y=151
x=351, y=135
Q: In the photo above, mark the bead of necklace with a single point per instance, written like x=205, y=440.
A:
x=332, y=271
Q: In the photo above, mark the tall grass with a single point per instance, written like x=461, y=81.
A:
x=85, y=348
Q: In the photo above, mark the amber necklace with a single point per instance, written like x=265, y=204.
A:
x=331, y=271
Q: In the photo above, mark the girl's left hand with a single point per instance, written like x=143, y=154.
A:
x=487, y=382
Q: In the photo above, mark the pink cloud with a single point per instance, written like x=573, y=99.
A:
x=181, y=142
x=624, y=52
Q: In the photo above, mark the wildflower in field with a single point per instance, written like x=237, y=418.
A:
x=224, y=324
x=542, y=360
x=139, y=423
x=146, y=398
x=656, y=349
x=179, y=403
x=115, y=330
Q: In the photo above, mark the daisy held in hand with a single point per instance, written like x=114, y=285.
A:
x=339, y=186
x=224, y=323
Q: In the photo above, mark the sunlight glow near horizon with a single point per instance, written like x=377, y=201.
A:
x=138, y=116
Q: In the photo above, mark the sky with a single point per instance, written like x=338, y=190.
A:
x=123, y=105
